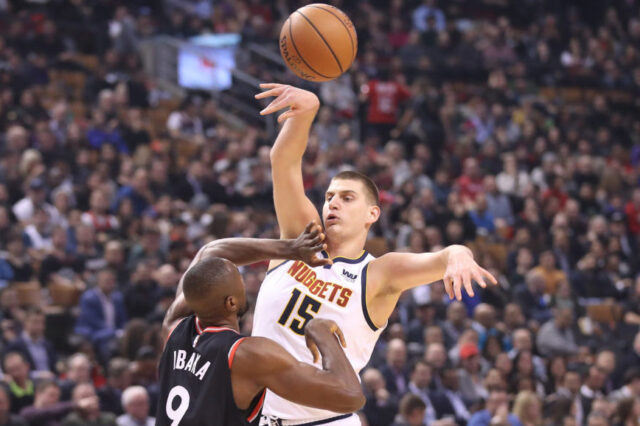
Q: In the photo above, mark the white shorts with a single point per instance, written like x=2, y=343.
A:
x=351, y=420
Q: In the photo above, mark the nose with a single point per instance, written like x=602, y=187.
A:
x=334, y=203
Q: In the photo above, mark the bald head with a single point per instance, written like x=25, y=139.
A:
x=213, y=288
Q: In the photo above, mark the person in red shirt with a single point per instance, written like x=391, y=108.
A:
x=632, y=210
x=384, y=97
x=471, y=180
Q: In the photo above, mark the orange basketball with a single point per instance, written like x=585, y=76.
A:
x=318, y=42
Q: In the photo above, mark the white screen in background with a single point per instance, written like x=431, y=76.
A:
x=206, y=68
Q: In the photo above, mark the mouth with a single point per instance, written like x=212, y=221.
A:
x=331, y=219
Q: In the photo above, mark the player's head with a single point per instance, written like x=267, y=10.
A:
x=351, y=205
x=214, y=289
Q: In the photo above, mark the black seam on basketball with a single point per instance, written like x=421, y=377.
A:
x=323, y=39
x=353, y=47
x=300, y=56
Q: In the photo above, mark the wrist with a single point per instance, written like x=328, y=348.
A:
x=288, y=250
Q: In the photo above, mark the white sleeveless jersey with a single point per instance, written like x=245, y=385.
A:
x=292, y=294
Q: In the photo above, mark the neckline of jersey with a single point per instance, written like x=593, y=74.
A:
x=347, y=259
x=200, y=330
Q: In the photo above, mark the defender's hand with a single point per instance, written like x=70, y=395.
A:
x=299, y=101
x=308, y=244
x=461, y=269
x=318, y=330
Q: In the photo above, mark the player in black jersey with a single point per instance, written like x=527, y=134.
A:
x=212, y=375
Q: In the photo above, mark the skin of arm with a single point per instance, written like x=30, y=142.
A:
x=262, y=363
x=393, y=273
x=245, y=251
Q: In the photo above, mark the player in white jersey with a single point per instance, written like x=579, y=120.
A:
x=358, y=291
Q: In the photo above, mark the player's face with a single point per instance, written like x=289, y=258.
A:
x=347, y=212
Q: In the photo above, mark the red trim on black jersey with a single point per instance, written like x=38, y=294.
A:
x=232, y=351
x=257, y=408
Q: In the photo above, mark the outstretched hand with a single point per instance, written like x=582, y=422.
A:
x=298, y=100
x=461, y=271
x=309, y=244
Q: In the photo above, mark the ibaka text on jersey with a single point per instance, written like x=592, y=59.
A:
x=180, y=363
x=323, y=289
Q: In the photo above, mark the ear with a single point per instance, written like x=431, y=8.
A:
x=373, y=215
x=231, y=304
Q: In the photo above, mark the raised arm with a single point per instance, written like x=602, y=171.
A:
x=293, y=209
x=262, y=363
x=389, y=275
x=243, y=251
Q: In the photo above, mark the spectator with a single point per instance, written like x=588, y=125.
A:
x=631, y=388
x=87, y=409
x=118, y=379
x=78, y=371
x=135, y=402
x=394, y=371
x=102, y=313
x=470, y=378
x=412, y=411
x=451, y=383
x=497, y=411
x=591, y=389
x=6, y=416
x=35, y=348
x=21, y=388
x=528, y=408
x=25, y=209
x=47, y=410
x=436, y=405
x=381, y=406
x=556, y=336
x=530, y=298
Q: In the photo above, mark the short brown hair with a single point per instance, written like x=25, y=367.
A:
x=410, y=403
x=370, y=187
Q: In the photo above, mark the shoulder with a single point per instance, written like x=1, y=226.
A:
x=89, y=295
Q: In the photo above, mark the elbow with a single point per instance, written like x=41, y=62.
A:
x=350, y=401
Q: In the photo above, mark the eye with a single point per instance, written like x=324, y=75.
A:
x=348, y=198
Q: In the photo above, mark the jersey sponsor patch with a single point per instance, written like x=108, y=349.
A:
x=348, y=275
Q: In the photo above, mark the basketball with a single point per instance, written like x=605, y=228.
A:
x=318, y=42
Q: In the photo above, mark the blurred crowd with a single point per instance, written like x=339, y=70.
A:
x=511, y=127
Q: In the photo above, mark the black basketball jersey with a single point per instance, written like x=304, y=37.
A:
x=195, y=378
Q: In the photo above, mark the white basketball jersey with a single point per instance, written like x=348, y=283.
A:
x=292, y=294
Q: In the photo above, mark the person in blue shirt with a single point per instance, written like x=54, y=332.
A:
x=496, y=411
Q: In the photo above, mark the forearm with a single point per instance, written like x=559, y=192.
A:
x=245, y=251
x=403, y=271
x=291, y=142
x=335, y=362
x=240, y=251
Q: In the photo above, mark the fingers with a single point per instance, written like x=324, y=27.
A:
x=271, y=85
x=338, y=333
x=288, y=114
x=457, y=287
x=275, y=91
x=276, y=105
x=307, y=228
x=448, y=287
x=318, y=237
x=468, y=286
x=313, y=348
x=489, y=275
x=479, y=279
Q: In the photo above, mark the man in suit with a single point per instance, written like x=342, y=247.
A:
x=436, y=404
x=102, y=314
x=395, y=369
x=37, y=351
